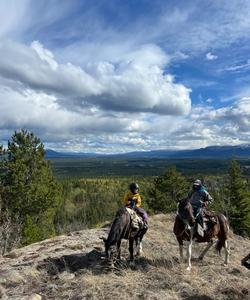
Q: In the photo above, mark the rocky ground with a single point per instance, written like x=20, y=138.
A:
x=71, y=267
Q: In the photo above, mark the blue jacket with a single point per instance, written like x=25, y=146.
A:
x=198, y=197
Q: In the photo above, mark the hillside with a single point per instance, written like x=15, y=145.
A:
x=222, y=152
x=70, y=267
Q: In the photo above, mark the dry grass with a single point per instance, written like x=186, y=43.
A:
x=70, y=267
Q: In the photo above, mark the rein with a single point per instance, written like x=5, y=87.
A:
x=198, y=213
x=185, y=228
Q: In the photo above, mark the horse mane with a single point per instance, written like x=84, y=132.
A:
x=120, y=212
x=183, y=202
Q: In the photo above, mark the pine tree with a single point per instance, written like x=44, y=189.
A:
x=30, y=192
x=238, y=200
x=168, y=189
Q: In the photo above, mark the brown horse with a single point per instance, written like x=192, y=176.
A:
x=185, y=229
x=122, y=229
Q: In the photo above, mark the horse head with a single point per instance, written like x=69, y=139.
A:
x=185, y=212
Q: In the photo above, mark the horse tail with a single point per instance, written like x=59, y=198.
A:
x=223, y=232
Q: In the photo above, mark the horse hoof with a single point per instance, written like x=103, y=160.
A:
x=225, y=264
x=189, y=269
x=132, y=264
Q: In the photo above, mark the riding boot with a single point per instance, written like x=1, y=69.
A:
x=200, y=225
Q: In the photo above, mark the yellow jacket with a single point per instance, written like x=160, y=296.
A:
x=135, y=197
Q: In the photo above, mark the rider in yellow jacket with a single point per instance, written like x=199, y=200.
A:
x=132, y=197
x=133, y=200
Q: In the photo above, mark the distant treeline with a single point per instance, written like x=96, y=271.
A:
x=34, y=205
x=75, y=167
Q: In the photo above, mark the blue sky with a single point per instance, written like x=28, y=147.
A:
x=117, y=76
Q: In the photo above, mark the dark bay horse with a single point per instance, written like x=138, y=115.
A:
x=121, y=228
x=184, y=229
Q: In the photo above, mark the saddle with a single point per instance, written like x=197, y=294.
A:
x=209, y=216
x=137, y=222
x=208, y=220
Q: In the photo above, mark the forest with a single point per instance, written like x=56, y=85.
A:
x=40, y=198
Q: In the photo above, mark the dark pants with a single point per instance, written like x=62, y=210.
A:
x=142, y=213
x=198, y=214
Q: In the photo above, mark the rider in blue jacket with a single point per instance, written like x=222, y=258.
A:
x=199, y=198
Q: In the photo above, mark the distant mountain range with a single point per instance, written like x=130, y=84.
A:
x=54, y=154
x=240, y=151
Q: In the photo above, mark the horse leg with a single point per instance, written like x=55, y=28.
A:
x=118, y=246
x=180, y=242
x=131, y=249
x=189, y=250
x=189, y=254
x=209, y=245
x=138, y=244
x=140, y=248
x=227, y=251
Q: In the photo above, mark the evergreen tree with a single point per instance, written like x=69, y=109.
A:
x=238, y=200
x=29, y=191
x=168, y=189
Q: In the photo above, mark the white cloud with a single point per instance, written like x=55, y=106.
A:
x=210, y=56
x=239, y=68
x=40, y=111
x=97, y=131
x=136, y=83
x=12, y=15
x=116, y=93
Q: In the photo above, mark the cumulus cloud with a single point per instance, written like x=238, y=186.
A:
x=102, y=106
x=136, y=83
x=104, y=85
x=225, y=125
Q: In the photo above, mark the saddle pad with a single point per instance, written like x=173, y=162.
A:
x=136, y=220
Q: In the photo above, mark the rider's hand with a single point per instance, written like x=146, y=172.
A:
x=205, y=203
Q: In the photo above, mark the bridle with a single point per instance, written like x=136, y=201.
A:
x=187, y=227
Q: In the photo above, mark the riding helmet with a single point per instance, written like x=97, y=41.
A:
x=197, y=182
x=133, y=186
